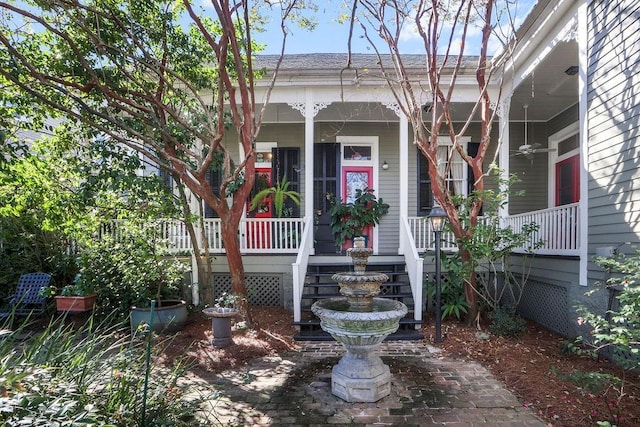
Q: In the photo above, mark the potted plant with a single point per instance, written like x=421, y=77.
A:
x=225, y=308
x=279, y=194
x=163, y=276
x=76, y=298
x=349, y=220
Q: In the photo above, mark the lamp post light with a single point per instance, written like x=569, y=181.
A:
x=437, y=218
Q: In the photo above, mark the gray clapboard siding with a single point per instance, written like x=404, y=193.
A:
x=568, y=117
x=533, y=173
x=614, y=124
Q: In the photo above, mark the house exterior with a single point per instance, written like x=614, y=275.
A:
x=569, y=92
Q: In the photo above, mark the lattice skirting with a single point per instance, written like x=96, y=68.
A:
x=547, y=305
x=262, y=289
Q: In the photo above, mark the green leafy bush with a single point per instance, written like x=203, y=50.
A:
x=90, y=376
x=617, y=333
x=452, y=296
x=488, y=270
x=131, y=266
x=506, y=323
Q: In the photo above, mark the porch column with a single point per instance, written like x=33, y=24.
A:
x=503, y=142
x=309, y=130
x=309, y=109
x=404, y=172
x=403, y=139
x=582, y=36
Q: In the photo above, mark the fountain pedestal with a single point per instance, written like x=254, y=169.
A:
x=360, y=322
x=360, y=377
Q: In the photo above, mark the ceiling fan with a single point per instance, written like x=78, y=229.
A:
x=526, y=149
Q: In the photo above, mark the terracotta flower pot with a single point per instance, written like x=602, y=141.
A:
x=75, y=304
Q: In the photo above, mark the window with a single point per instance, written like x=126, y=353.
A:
x=166, y=178
x=214, y=177
x=456, y=179
x=356, y=152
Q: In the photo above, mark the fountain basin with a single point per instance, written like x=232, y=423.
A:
x=359, y=288
x=358, y=327
x=360, y=375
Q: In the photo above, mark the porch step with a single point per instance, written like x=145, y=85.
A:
x=320, y=286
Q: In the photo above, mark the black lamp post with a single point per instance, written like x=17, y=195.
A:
x=437, y=218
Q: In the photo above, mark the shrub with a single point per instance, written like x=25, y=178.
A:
x=618, y=331
x=506, y=323
x=451, y=289
x=90, y=376
x=130, y=269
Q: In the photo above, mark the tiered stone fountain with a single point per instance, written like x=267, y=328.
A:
x=360, y=322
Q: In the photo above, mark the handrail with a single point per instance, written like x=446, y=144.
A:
x=300, y=267
x=415, y=266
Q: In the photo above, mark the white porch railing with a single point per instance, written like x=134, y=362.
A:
x=271, y=235
x=414, y=265
x=300, y=268
x=263, y=235
x=420, y=229
x=559, y=231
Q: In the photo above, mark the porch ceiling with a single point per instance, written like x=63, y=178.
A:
x=553, y=90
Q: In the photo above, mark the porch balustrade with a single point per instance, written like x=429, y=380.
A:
x=263, y=235
x=559, y=231
x=423, y=236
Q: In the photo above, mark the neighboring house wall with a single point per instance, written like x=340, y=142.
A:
x=613, y=96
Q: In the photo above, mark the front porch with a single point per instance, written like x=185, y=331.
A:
x=559, y=233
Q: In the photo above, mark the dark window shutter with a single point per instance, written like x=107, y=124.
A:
x=214, y=178
x=425, y=195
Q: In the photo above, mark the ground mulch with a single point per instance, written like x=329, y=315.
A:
x=533, y=366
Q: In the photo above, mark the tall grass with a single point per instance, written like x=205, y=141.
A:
x=94, y=374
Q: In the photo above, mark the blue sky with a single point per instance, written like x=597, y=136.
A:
x=331, y=36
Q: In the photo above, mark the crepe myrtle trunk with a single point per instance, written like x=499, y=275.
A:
x=229, y=233
x=462, y=234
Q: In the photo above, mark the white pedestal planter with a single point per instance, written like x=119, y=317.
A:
x=221, y=325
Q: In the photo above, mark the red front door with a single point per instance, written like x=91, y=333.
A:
x=568, y=181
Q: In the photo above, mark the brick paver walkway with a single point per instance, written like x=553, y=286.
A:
x=426, y=390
